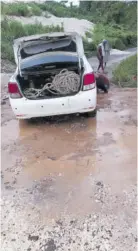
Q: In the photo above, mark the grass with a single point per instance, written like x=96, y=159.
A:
x=125, y=74
x=20, y=9
x=11, y=30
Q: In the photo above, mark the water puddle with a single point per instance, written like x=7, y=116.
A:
x=63, y=157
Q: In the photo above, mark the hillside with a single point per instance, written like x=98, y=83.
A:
x=94, y=20
x=114, y=12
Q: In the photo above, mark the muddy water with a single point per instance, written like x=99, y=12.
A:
x=59, y=160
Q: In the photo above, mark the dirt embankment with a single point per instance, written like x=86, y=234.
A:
x=69, y=24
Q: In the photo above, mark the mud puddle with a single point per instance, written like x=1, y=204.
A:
x=69, y=183
x=58, y=159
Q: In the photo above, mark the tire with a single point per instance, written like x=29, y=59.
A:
x=91, y=114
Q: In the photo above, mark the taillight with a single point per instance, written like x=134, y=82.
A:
x=88, y=81
x=13, y=90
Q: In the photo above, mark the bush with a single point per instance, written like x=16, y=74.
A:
x=117, y=36
x=6, y=50
x=88, y=34
x=29, y=9
x=88, y=46
x=118, y=44
x=17, y=9
x=132, y=40
x=11, y=30
x=34, y=9
x=126, y=72
x=60, y=10
x=20, y=9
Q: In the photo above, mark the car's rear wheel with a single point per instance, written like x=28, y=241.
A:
x=91, y=114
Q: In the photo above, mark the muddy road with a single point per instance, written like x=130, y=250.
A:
x=69, y=183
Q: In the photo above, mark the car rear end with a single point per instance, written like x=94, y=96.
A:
x=35, y=72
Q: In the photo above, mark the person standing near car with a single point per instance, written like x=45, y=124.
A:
x=106, y=52
x=100, y=56
x=103, y=52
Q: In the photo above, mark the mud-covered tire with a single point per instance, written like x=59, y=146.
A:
x=91, y=114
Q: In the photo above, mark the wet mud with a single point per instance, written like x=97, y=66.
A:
x=69, y=183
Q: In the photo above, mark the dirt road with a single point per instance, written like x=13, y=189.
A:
x=69, y=183
x=114, y=60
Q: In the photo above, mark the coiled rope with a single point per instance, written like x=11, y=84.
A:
x=64, y=83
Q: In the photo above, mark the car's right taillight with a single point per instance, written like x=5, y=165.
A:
x=88, y=81
x=13, y=90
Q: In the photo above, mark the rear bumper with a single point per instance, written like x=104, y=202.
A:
x=84, y=101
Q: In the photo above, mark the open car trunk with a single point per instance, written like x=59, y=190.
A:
x=48, y=66
x=50, y=75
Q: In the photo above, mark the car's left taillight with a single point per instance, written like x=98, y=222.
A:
x=88, y=81
x=13, y=90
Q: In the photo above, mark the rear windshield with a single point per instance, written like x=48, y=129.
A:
x=41, y=46
x=49, y=59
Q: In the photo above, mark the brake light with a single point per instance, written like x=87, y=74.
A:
x=88, y=81
x=13, y=90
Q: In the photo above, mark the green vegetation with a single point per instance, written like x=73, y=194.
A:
x=104, y=12
x=126, y=72
x=114, y=20
x=119, y=37
x=20, y=9
x=33, y=8
x=111, y=12
x=89, y=47
x=11, y=30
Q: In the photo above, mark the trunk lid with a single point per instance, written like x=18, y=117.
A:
x=29, y=46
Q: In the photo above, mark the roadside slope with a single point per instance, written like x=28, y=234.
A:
x=69, y=24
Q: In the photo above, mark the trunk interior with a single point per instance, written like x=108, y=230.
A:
x=38, y=77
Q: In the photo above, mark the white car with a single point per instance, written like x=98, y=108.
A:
x=39, y=58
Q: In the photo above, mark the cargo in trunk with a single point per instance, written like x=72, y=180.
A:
x=50, y=74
